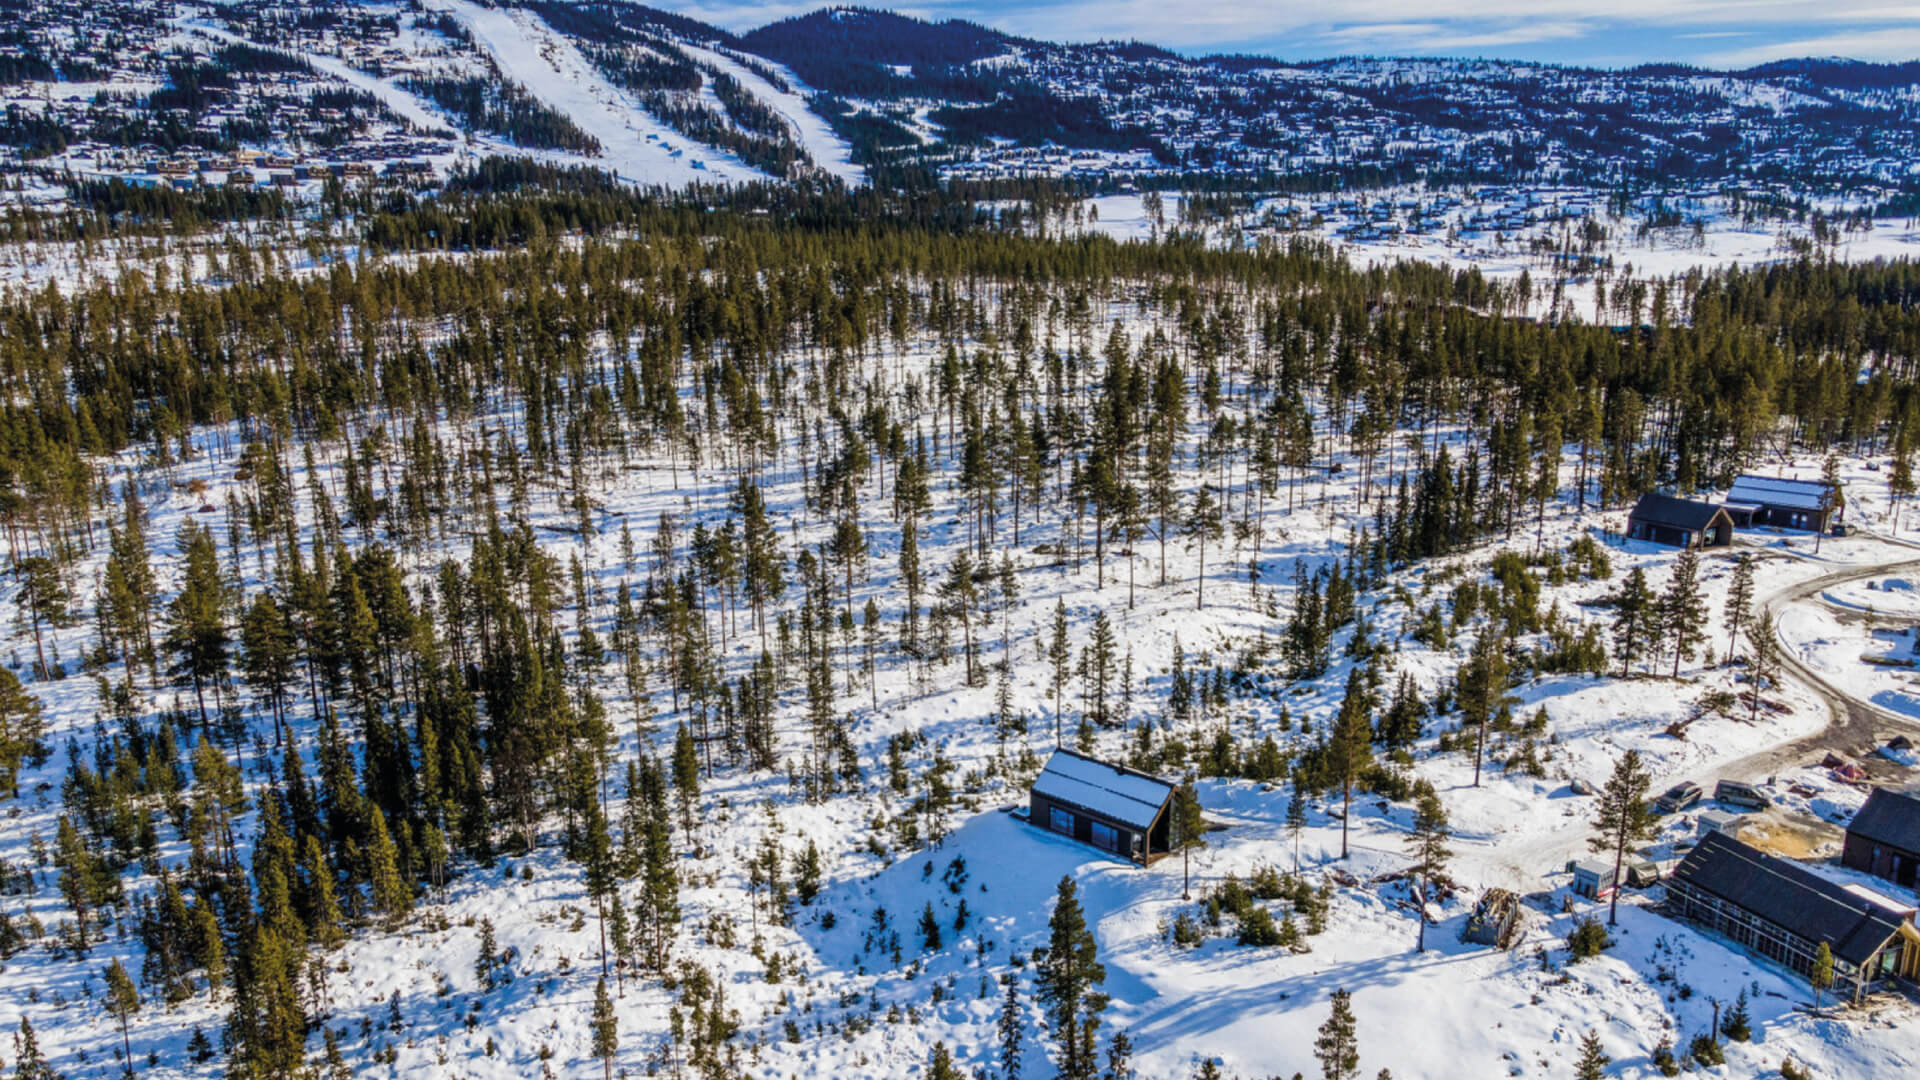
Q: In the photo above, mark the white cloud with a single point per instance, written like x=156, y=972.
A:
x=1615, y=30
x=1885, y=43
x=1440, y=37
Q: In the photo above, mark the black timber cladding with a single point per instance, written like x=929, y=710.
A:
x=1790, y=897
x=1884, y=837
x=1109, y=806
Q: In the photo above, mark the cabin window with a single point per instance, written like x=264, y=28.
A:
x=1060, y=821
x=1106, y=837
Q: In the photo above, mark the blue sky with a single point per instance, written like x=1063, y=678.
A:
x=1605, y=33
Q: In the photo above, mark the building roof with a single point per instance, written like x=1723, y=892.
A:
x=1114, y=792
x=1789, y=896
x=1778, y=491
x=1891, y=818
x=1678, y=513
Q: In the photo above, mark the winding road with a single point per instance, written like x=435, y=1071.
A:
x=1855, y=726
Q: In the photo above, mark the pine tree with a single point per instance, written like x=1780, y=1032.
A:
x=1738, y=1024
x=1821, y=976
x=1622, y=817
x=196, y=621
x=1120, y=1058
x=391, y=895
x=1683, y=611
x=43, y=600
x=28, y=1062
x=1428, y=844
x=122, y=1002
x=486, y=960
x=1011, y=1029
x=1593, y=1061
x=1060, y=654
x=606, y=1028
x=1350, y=744
x=22, y=731
x=1482, y=689
x=1739, y=609
x=1297, y=816
x=1203, y=524
x=1336, y=1047
x=1189, y=830
x=1096, y=666
x=1066, y=982
x=1635, y=620
x=1763, y=637
x=940, y=1064
x=929, y=929
x=686, y=774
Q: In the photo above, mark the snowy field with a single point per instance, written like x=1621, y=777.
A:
x=860, y=1010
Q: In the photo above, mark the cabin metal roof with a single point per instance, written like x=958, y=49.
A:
x=1778, y=491
x=1890, y=818
x=1678, y=513
x=1789, y=896
x=1114, y=792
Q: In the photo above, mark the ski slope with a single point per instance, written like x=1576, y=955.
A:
x=634, y=144
x=829, y=151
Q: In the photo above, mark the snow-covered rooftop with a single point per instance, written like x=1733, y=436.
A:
x=1119, y=794
x=1779, y=491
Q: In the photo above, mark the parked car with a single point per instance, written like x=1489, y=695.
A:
x=1735, y=793
x=1681, y=796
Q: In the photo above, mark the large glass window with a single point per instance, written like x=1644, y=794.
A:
x=1060, y=821
x=1106, y=836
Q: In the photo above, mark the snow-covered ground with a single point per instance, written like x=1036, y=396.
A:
x=633, y=143
x=1454, y=1010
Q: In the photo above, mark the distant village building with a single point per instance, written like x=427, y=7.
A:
x=1781, y=503
x=1111, y=807
x=1884, y=837
x=1782, y=911
x=1681, y=523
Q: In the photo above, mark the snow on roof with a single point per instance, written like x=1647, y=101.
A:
x=1874, y=896
x=1779, y=491
x=1111, y=791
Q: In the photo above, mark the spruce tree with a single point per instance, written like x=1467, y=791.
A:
x=1683, y=612
x=1011, y=1031
x=391, y=895
x=606, y=1028
x=1593, y=1061
x=1337, y=1048
x=1066, y=983
x=1060, y=655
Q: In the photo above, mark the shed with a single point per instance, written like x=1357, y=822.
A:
x=1782, y=911
x=1592, y=878
x=1111, y=807
x=1681, y=523
x=1784, y=503
x=1724, y=822
x=1883, y=839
